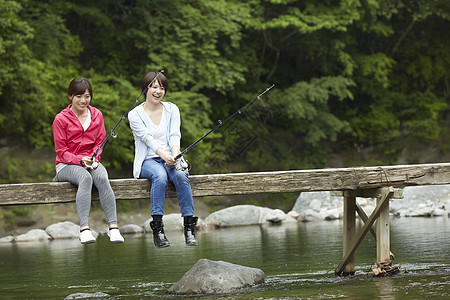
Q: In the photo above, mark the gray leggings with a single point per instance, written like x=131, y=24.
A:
x=84, y=178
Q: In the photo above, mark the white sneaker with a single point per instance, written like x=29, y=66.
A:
x=115, y=236
x=86, y=236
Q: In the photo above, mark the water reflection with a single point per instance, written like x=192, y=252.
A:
x=386, y=289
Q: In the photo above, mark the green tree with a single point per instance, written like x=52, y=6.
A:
x=401, y=75
x=349, y=75
x=36, y=64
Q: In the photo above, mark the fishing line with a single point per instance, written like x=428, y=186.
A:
x=183, y=165
x=112, y=132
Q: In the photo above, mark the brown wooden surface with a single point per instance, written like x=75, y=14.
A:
x=337, y=179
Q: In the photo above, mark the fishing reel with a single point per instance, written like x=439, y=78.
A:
x=183, y=165
x=94, y=165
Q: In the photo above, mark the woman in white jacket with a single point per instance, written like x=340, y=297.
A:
x=156, y=129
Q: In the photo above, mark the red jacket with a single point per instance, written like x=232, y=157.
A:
x=72, y=143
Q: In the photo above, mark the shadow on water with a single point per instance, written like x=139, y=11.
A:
x=298, y=260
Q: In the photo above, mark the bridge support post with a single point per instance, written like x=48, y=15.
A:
x=383, y=195
x=349, y=233
x=383, y=233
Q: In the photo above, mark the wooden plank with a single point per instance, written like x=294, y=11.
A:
x=349, y=233
x=338, y=179
x=387, y=194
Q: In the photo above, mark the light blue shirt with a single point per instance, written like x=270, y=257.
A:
x=143, y=138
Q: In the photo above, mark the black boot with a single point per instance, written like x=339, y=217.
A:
x=189, y=230
x=159, y=238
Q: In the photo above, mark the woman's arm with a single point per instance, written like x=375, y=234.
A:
x=61, y=148
x=141, y=132
x=174, y=127
x=101, y=134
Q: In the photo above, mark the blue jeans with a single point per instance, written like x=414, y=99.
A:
x=160, y=174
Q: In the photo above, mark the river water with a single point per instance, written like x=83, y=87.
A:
x=298, y=260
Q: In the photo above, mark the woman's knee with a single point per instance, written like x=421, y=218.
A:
x=181, y=178
x=85, y=179
x=156, y=175
x=159, y=178
x=78, y=176
x=101, y=180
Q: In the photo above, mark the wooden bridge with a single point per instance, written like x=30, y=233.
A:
x=383, y=183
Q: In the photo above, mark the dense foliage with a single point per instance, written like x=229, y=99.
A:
x=351, y=76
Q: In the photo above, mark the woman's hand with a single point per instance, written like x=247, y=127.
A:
x=169, y=159
x=87, y=161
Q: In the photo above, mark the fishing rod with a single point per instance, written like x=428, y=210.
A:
x=111, y=133
x=183, y=165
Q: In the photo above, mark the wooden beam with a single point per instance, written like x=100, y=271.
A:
x=360, y=178
x=386, y=195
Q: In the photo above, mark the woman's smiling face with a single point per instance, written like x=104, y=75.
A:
x=81, y=102
x=155, y=92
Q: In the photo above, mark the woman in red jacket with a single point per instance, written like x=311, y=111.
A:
x=78, y=131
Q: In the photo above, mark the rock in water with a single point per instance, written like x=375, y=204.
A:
x=86, y=295
x=209, y=277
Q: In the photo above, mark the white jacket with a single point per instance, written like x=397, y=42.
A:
x=143, y=139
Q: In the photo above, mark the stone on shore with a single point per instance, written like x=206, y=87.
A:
x=276, y=216
x=34, y=235
x=314, y=206
x=245, y=215
x=211, y=277
x=131, y=229
x=66, y=230
x=420, y=201
x=332, y=214
x=7, y=239
x=294, y=216
x=171, y=222
x=63, y=230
